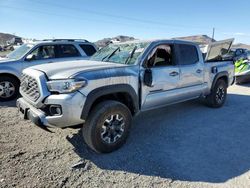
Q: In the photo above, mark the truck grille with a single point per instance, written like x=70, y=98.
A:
x=29, y=87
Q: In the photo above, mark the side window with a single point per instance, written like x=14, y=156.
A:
x=187, y=54
x=161, y=56
x=88, y=49
x=67, y=50
x=44, y=52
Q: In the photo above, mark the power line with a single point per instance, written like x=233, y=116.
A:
x=87, y=19
x=117, y=16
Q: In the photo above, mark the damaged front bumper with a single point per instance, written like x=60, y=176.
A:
x=71, y=106
x=28, y=112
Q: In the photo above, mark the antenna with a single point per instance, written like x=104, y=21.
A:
x=213, y=34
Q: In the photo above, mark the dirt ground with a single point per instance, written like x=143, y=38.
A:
x=184, y=145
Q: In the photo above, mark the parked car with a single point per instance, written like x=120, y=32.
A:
x=15, y=41
x=41, y=52
x=8, y=47
x=119, y=81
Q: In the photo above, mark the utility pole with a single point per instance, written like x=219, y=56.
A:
x=213, y=34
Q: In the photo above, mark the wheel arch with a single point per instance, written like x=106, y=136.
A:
x=123, y=93
x=222, y=75
x=10, y=75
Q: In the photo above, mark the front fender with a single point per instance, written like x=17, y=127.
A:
x=105, y=90
x=11, y=71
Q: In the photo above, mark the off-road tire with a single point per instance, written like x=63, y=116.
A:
x=218, y=95
x=93, y=128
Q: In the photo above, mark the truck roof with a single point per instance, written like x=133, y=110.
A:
x=158, y=40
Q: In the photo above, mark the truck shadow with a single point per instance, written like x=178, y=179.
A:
x=244, y=84
x=187, y=142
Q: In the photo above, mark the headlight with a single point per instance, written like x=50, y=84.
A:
x=66, y=86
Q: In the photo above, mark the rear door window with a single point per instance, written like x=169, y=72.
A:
x=67, y=50
x=188, y=54
x=88, y=49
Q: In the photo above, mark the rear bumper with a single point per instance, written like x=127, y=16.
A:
x=71, y=107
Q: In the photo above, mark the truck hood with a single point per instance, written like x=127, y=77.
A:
x=62, y=70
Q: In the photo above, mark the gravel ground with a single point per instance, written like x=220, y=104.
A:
x=184, y=145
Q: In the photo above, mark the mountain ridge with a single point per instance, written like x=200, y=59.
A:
x=200, y=39
x=4, y=37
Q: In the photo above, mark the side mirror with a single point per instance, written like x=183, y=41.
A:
x=148, y=78
x=30, y=57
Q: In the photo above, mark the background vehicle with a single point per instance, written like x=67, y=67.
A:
x=120, y=81
x=41, y=52
x=240, y=53
x=241, y=59
x=242, y=71
x=15, y=41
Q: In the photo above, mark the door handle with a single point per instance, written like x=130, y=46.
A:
x=173, y=74
x=199, y=71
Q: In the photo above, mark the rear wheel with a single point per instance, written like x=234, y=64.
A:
x=107, y=127
x=218, y=95
x=9, y=87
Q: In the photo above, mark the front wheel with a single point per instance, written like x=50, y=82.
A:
x=107, y=127
x=218, y=95
x=9, y=87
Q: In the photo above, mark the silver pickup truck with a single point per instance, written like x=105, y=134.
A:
x=119, y=81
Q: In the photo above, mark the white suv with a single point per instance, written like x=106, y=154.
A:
x=41, y=52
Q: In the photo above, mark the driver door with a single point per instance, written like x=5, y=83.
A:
x=165, y=78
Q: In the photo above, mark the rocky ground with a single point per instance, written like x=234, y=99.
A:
x=185, y=145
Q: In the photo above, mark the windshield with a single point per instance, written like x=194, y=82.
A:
x=120, y=53
x=20, y=52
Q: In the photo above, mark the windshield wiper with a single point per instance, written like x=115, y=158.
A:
x=131, y=55
x=113, y=53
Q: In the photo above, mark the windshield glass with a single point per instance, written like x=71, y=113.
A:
x=120, y=53
x=20, y=52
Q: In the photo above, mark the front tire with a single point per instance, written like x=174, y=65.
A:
x=107, y=127
x=9, y=88
x=218, y=95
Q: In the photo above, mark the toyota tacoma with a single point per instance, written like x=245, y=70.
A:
x=121, y=80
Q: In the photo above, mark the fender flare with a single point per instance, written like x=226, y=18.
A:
x=106, y=90
x=218, y=76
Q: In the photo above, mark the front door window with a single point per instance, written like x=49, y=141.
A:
x=44, y=52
